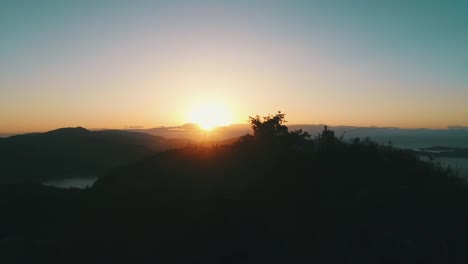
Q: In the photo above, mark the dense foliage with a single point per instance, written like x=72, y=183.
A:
x=273, y=197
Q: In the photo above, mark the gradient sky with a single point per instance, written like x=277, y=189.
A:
x=147, y=63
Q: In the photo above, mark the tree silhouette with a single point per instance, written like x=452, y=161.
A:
x=327, y=136
x=271, y=128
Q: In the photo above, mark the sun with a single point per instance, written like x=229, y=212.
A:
x=209, y=115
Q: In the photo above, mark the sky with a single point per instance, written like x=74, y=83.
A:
x=116, y=64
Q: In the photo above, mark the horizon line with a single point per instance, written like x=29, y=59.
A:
x=142, y=128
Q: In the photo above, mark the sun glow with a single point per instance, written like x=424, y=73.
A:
x=210, y=115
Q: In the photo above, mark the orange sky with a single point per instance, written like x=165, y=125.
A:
x=103, y=65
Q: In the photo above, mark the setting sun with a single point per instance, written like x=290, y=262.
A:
x=210, y=115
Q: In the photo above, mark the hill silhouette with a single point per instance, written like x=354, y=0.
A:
x=74, y=152
x=274, y=196
x=401, y=137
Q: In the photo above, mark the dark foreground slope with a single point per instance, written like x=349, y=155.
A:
x=279, y=199
x=74, y=152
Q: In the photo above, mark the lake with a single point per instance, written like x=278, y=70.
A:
x=79, y=183
x=459, y=164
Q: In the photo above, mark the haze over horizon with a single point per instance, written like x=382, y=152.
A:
x=115, y=64
x=228, y=131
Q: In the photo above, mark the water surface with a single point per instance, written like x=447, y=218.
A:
x=79, y=183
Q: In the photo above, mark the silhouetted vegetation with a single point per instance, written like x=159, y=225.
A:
x=273, y=197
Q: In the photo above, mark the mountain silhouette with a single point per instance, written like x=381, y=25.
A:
x=74, y=152
x=274, y=196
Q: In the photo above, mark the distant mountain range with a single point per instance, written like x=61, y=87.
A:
x=75, y=152
x=453, y=136
x=78, y=152
x=399, y=137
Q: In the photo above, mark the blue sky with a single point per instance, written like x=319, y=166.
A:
x=120, y=63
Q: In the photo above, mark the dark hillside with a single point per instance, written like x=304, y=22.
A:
x=274, y=197
x=74, y=152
